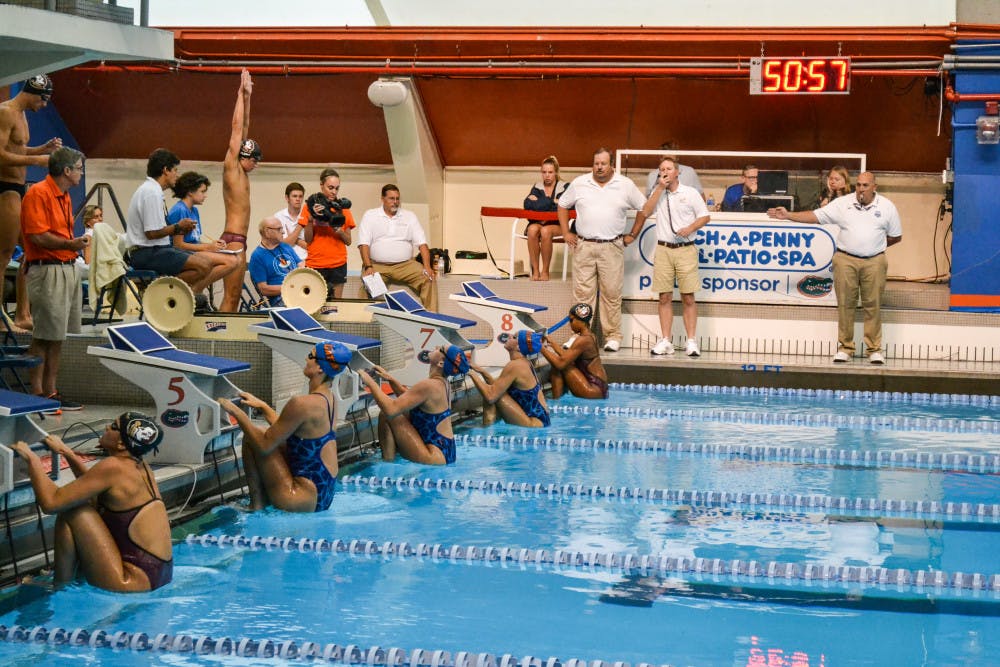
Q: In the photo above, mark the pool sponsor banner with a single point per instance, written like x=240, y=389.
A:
x=745, y=261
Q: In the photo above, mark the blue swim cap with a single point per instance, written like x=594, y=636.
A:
x=455, y=361
x=331, y=357
x=529, y=342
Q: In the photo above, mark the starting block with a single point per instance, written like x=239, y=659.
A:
x=293, y=333
x=423, y=330
x=503, y=315
x=14, y=426
x=184, y=385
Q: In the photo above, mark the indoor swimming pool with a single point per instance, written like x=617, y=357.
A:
x=683, y=526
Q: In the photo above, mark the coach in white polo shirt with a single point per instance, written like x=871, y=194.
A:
x=680, y=213
x=869, y=223
x=386, y=238
x=602, y=200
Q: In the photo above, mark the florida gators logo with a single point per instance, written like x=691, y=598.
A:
x=175, y=418
x=815, y=286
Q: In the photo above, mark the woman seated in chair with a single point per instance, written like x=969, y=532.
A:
x=544, y=196
x=417, y=423
x=111, y=522
x=578, y=367
x=293, y=464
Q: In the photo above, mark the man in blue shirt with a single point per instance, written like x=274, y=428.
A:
x=733, y=199
x=271, y=261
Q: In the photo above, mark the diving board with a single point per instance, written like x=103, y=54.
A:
x=15, y=426
x=293, y=333
x=505, y=316
x=423, y=330
x=184, y=385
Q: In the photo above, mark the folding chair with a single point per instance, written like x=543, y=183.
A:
x=130, y=279
x=14, y=357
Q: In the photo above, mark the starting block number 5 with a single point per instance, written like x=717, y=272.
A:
x=175, y=386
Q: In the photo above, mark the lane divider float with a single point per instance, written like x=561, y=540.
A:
x=706, y=498
x=852, y=576
x=284, y=650
x=904, y=397
x=882, y=458
x=771, y=418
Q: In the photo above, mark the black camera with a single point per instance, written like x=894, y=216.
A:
x=327, y=212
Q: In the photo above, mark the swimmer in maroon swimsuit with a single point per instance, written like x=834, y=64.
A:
x=578, y=367
x=122, y=544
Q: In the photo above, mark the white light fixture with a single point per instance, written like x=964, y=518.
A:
x=387, y=93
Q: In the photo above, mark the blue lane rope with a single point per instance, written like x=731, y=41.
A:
x=769, y=417
x=914, y=398
x=852, y=576
x=306, y=651
x=704, y=498
x=880, y=458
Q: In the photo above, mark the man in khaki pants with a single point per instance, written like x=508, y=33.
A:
x=869, y=223
x=602, y=200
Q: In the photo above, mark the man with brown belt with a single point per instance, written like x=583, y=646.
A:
x=680, y=213
x=869, y=223
x=386, y=238
x=602, y=200
x=53, y=281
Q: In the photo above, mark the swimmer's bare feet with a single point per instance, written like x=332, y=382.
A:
x=544, y=277
x=20, y=326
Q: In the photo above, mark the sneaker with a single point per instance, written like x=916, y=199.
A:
x=691, y=349
x=876, y=358
x=65, y=403
x=662, y=347
x=612, y=346
x=52, y=412
x=568, y=344
x=841, y=357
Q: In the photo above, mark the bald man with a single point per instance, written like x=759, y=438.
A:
x=869, y=223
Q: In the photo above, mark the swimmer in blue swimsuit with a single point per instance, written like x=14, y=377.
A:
x=578, y=368
x=516, y=394
x=121, y=542
x=301, y=476
x=417, y=423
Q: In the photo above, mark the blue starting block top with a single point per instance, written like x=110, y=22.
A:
x=478, y=290
x=13, y=403
x=299, y=321
x=402, y=302
x=142, y=339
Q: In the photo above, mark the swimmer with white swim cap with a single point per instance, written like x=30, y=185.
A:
x=579, y=367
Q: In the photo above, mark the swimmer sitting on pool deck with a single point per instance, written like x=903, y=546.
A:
x=417, y=422
x=578, y=367
x=299, y=476
x=123, y=543
x=517, y=393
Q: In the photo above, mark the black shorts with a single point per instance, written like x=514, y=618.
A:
x=166, y=260
x=19, y=188
x=335, y=276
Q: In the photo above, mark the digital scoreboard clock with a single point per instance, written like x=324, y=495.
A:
x=800, y=76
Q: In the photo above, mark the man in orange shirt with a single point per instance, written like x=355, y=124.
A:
x=328, y=223
x=53, y=281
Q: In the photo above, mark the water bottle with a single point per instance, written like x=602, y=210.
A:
x=439, y=266
x=710, y=202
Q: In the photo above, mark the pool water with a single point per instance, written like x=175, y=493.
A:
x=728, y=567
